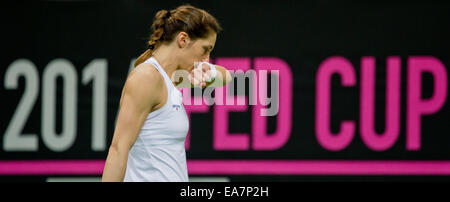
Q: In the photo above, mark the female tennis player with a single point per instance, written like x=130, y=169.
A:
x=151, y=128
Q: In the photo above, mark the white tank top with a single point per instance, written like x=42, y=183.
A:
x=158, y=155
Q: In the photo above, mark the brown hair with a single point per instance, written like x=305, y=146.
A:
x=196, y=22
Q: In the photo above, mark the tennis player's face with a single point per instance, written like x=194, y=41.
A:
x=199, y=50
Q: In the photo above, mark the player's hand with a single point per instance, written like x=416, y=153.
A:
x=200, y=75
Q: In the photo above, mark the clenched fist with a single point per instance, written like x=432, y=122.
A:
x=202, y=73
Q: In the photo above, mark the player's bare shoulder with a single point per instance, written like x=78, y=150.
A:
x=143, y=84
x=147, y=70
x=145, y=75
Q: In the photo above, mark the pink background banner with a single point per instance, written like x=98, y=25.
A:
x=242, y=167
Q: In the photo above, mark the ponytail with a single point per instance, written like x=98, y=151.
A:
x=144, y=56
x=158, y=30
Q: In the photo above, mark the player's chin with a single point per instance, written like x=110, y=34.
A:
x=187, y=68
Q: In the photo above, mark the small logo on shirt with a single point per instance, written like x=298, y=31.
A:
x=177, y=99
x=176, y=107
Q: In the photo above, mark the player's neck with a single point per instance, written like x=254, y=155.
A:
x=165, y=57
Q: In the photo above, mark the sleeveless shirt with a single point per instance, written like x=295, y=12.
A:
x=159, y=155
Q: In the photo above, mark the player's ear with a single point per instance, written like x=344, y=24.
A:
x=183, y=39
